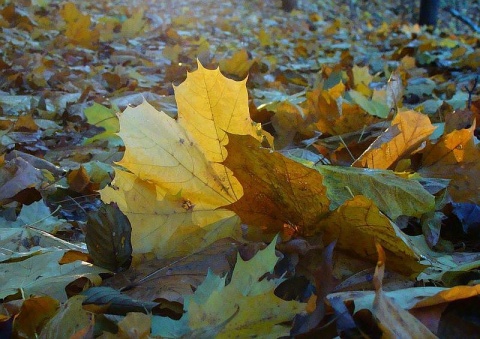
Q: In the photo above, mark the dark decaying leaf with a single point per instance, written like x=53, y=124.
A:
x=112, y=301
x=108, y=238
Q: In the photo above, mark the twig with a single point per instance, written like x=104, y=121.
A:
x=456, y=14
x=150, y=275
x=470, y=92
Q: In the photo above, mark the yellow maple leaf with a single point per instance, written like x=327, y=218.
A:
x=78, y=27
x=175, y=185
x=133, y=25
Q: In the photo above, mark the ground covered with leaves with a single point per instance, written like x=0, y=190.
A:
x=226, y=169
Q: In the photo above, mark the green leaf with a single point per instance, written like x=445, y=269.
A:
x=43, y=274
x=393, y=195
x=107, y=119
x=378, y=109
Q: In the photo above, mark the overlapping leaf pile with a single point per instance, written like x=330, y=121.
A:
x=352, y=129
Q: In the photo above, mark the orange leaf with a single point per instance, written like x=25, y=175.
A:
x=34, y=314
x=455, y=156
x=408, y=130
x=238, y=65
x=452, y=294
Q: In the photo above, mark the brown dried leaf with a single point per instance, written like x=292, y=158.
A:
x=393, y=320
x=277, y=190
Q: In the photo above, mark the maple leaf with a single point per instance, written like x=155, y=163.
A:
x=133, y=25
x=277, y=190
x=238, y=65
x=175, y=185
x=245, y=307
x=408, y=130
x=334, y=115
x=78, y=26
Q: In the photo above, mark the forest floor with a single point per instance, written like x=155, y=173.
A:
x=325, y=81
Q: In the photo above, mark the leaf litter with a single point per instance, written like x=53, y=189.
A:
x=354, y=127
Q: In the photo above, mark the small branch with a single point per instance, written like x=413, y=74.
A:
x=456, y=14
x=470, y=92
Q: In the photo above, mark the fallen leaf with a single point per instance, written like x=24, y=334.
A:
x=238, y=65
x=173, y=278
x=407, y=131
x=105, y=118
x=209, y=107
x=134, y=325
x=31, y=274
x=455, y=156
x=373, y=107
x=34, y=314
x=448, y=295
x=112, y=301
x=175, y=184
x=393, y=195
x=358, y=223
x=393, y=320
x=276, y=188
x=17, y=175
x=78, y=26
x=108, y=238
x=69, y=320
x=246, y=306
x=133, y=25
